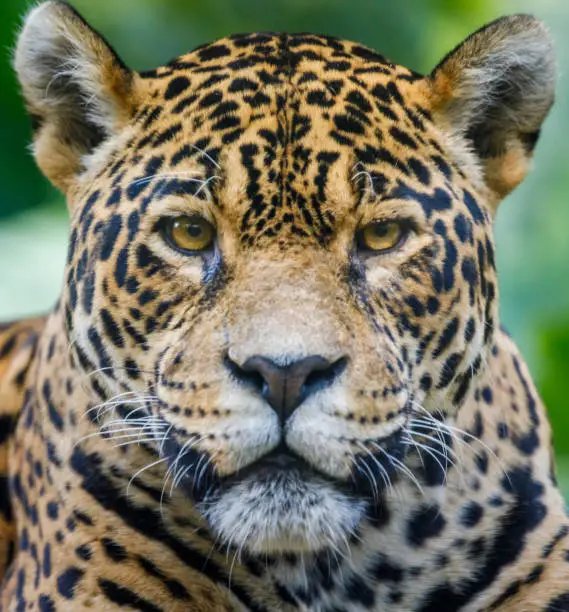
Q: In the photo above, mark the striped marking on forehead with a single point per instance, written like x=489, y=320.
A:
x=299, y=116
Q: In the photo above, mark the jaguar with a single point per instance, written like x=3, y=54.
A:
x=275, y=378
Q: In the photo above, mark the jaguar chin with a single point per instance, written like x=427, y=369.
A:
x=281, y=505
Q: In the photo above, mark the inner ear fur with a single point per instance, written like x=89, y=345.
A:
x=76, y=88
x=493, y=92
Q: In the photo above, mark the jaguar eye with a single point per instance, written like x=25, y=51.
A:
x=189, y=234
x=382, y=236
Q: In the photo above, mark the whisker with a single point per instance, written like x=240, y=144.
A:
x=444, y=455
x=139, y=472
x=187, y=175
x=137, y=441
x=401, y=466
x=429, y=451
x=463, y=438
x=205, y=154
x=367, y=469
x=446, y=449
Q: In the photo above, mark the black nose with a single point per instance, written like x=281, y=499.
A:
x=286, y=387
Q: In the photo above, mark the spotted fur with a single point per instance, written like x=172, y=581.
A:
x=146, y=469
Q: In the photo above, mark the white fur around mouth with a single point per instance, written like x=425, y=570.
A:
x=283, y=513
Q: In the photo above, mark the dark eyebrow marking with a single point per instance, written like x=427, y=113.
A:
x=439, y=200
x=195, y=187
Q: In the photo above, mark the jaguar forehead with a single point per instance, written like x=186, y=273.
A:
x=278, y=126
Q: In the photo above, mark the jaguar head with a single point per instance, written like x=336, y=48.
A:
x=281, y=254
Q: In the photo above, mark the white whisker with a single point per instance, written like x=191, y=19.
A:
x=139, y=472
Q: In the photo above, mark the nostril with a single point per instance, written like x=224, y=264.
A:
x=319, y=379
x=248, y=377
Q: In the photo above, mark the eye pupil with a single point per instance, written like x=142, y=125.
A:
x=195, y=231
x=381, y=229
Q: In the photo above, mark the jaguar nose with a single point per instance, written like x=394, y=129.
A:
x=286, y=387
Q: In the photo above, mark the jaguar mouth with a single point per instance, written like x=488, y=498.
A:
x=283, y=503
x=374, y=469
x=280, y=459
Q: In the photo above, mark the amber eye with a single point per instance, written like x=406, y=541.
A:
x=189, y=234
x=382, y=236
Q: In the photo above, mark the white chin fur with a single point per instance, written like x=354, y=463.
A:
x=281, y=513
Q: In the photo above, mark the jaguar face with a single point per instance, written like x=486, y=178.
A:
x=291, y=318
x=280, y=260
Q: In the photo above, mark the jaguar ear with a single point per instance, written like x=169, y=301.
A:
x=492, y=93
x=77, y=90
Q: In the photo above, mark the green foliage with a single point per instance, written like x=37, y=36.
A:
x=22, y=185
x=554, y=383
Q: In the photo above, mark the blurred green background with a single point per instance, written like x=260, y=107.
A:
x=532, y=226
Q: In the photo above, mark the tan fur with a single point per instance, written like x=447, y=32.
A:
x=140, y=469
x=18, y=342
